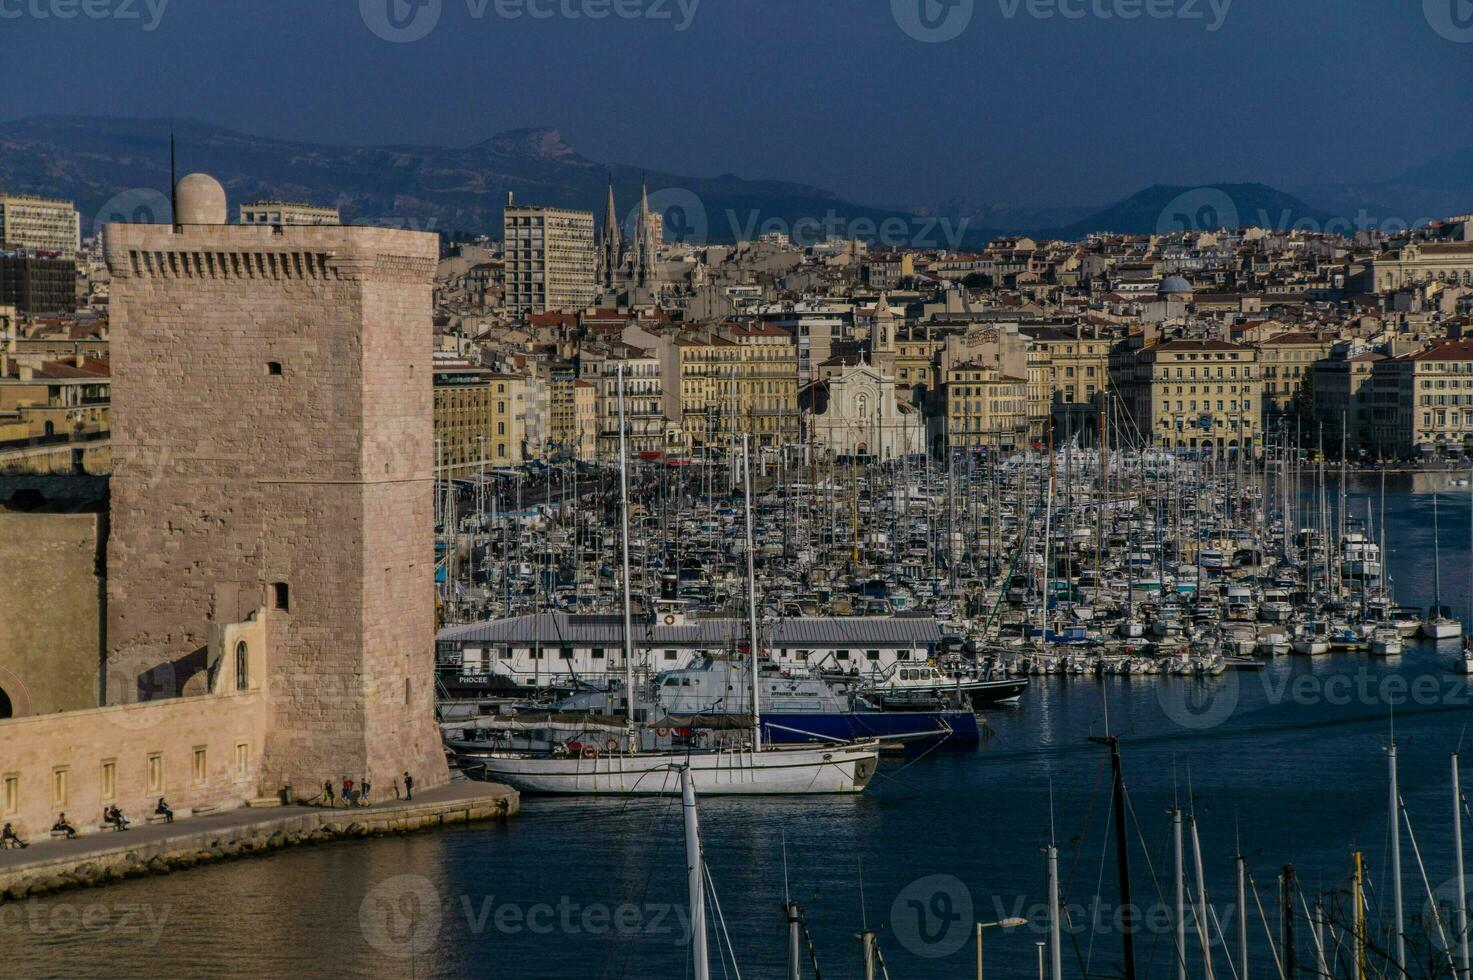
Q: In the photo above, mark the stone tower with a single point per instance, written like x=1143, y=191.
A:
x=272, y=418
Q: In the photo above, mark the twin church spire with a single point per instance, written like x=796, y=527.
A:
x=621, y=267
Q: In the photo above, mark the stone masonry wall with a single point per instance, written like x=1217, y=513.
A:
x=34, y=750
x=50, y=611
x=272, y=423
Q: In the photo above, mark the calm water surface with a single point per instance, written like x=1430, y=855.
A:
x=1290, y=761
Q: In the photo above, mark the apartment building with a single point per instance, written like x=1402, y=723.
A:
x=985, y=408
x=1286, y=367
x=549, y=261
x=1193, y=394
x=39, y=224
x=1422, y=403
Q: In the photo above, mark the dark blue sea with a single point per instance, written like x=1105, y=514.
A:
x=1287, y=767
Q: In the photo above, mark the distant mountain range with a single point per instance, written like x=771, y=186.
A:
x=113, y=166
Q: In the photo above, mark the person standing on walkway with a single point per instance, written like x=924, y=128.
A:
x=327, y=794
x=408, y=786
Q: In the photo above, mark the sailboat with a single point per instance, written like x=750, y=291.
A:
x=619, y=765
x=1439, y=624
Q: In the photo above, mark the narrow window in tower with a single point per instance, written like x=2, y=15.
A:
x=273, y=368
x=281, y=596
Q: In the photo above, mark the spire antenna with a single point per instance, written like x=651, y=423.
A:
x=173, y=179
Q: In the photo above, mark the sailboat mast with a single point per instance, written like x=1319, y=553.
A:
x=752, y=597
x=1461, y=921
x=1394, y=799
x=624, y=564
x=1436, y=563
x=695, y=877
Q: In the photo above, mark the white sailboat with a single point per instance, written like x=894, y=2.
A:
x=1439, y=624
x=618, y=767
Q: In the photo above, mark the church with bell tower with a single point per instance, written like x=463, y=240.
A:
x=627, y=272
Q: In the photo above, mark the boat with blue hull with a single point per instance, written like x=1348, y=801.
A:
x=797, y=705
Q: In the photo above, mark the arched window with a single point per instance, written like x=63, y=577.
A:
x=6, y=709
x=242, y=666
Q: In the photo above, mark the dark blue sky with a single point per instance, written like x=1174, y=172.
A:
x=1025, y=106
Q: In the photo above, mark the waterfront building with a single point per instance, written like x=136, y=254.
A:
x=1286, y=367
x=549, y=259
x=984, y=407
x=547, y=649
x=1192, y=394
x=1344, y=398
x=1423, y=401
x=1075, y=365
x=39, y=224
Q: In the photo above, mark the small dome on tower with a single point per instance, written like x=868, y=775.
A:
x=199, y=200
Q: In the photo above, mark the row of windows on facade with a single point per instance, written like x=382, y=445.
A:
x=155, y=781
x=473, y=657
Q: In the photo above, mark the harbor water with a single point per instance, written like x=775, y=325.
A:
x=1285, y=765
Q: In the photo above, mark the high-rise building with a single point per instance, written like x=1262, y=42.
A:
x=281, y=484
x=549, y=259
x=287, y=213
x=38, y=284
x=39, y=224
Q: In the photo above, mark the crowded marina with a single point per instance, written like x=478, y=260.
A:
x=751, y=598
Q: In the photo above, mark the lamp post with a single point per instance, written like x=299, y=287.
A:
x=1000, y=924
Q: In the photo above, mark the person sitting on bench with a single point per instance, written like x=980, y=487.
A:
x=114, y=816
x=62, y=827
x=9, y=838
x=164, y=810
